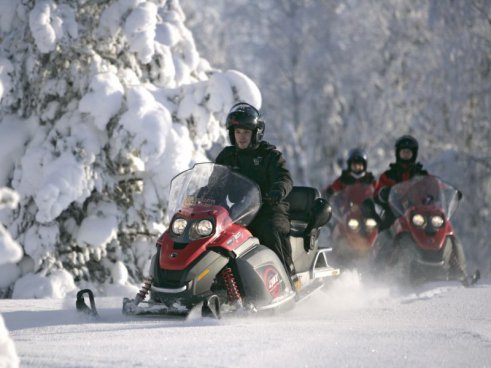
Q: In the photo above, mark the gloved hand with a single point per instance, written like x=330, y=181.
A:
x=383, y=195
x=274, y=197
x=368, y=208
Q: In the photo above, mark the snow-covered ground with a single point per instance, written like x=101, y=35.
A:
x=353, y=323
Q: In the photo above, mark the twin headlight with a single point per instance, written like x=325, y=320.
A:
x=204, y=227
x=420, y=221
x=178, y=226
x=201, y=228
x=354, y=224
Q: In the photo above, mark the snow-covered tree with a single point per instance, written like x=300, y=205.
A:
x=101, y=104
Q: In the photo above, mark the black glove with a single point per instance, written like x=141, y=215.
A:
x=383, y=195
x=273, y=197
x=368, y=208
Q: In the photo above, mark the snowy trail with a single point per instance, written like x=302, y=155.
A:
x=348, y=325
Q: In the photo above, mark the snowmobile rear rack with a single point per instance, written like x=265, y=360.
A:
x=321, y=268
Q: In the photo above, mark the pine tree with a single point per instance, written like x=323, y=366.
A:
x=109, y=100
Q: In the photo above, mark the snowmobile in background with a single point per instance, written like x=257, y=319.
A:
x=208, y=259
x=422, y=245
x=354, y=233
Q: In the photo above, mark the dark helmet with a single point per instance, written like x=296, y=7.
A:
x=245, y=116
x=409, y=142
x=357, y=155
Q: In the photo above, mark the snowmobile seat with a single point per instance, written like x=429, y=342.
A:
x=301, y=200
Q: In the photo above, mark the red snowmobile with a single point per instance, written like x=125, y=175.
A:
x=207, y=258
x=354, y=234
x=423, y=246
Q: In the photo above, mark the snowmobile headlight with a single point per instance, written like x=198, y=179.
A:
x=178, y=226
x=353, y=224
x=418, y=220
x=370, y=223
x=204, y=227
x=437, y=221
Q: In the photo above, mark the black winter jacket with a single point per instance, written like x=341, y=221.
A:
x=265, y=166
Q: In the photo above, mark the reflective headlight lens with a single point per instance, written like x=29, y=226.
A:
x=370, y=223
x=437, y=221
x=178, y=226
x=353, y=224
x=204, y=227
x=418, y=220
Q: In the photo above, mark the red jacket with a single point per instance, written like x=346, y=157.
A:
x=347, y=179
x=397, y=173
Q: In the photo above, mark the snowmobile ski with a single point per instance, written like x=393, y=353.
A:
x=211, y=307
x=82, y=307
x=132, y=307
x=471, y=280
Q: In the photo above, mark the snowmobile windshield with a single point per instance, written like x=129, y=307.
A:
x=350, y=199
x=421, y=191
x=215, y=185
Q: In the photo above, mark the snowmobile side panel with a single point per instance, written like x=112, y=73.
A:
x=204, y=272
x=196, y=279
x=233, y=236
x=263, y=277
x=191, y=282
x=245, y=247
